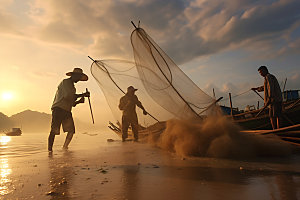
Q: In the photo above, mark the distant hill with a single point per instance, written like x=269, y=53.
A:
x=5, y=122
x=34, y=122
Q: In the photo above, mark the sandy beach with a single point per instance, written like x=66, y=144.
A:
x=96, y=169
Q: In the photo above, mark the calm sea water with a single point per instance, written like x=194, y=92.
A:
x=35, y=143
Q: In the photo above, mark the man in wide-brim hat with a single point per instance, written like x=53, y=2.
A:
x=66, y=98
x=128, y=104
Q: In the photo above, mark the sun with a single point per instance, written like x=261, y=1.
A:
x=7, y=96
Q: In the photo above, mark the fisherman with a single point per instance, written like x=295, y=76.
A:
x=127, y=104
x=273, y=96
x=66, y=98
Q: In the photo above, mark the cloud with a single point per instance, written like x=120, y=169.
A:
x=184, y=29
x=43, y=75
x=8, y=23
x=293, y=81
x=217, y=25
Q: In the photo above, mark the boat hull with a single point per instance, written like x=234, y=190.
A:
x=248, y=120
x=14, y=132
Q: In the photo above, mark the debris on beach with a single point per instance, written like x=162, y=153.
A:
x=103, y=171
x=52, y=193
x=90, y=134
x=104, y=181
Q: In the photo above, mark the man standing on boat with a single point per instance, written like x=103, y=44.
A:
x=65, y=98
x=273, y=96
x=128, y=104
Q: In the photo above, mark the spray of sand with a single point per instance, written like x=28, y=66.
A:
x=218, y=137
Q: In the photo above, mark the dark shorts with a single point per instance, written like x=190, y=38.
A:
x=64, y=118
x=275, y=109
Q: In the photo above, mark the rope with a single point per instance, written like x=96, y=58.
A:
x=237, y=95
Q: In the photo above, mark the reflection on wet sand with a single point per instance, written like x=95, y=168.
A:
x=61, y=175
x=130, y=178
x=5, y=170
x=287, y=187
x=283, y=186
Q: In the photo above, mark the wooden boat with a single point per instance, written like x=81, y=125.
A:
x=143, y=132
x=250, y=119
x=14, y=132
x=290, y=134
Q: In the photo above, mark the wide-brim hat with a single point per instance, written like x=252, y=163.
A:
x=131, y=88
x=84, y=77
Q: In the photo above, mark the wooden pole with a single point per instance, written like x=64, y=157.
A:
x=230, y=104
x=90, y=108
x=212, y=104
x=284, y=84
x=134, y=24
x=258, y=94
x=257, y=105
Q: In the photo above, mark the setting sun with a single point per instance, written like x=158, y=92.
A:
x=6, y=96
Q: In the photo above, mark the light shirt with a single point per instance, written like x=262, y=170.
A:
x=271, y=89
x=65, y=95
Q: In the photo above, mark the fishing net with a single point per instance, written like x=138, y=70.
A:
x=114, y=77
x=163, y=88
x=164, y=81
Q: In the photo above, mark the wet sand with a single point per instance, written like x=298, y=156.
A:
x=116, y=170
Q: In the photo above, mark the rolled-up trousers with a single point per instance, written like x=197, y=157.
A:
x=130, y=120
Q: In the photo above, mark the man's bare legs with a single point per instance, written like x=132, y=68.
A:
x=68, y=140
x=275, y=122
x=50, y=141
x=278, y=122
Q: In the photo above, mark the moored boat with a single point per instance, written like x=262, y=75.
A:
x=14, y=132
x=256, y=119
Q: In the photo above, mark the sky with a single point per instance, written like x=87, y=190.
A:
x=218, y=44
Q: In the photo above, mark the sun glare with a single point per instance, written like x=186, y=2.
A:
x=6, y=96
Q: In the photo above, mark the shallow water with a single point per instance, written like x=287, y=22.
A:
x=96, y=169
x=35, y=143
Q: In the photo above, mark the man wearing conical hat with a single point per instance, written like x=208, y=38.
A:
x=66, y=98
x=128, y=104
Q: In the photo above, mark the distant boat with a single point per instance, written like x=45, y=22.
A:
x=14, y=132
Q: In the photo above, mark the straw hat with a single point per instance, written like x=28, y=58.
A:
x=84, y=77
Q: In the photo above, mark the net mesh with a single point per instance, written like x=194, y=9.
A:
x=163, y=88
x=169, y=86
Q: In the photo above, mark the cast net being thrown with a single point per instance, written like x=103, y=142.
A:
x=163, y=88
